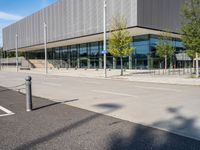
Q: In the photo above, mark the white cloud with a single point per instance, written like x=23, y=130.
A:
x=7, y=16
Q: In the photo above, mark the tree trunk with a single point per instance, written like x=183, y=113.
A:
x=193, y=65
x=165, y=62
x=197, y=66
x=121, y=61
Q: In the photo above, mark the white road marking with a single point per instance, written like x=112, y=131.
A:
x=50, y=78
x=113, y=93
x=8, y=112
x=89, y=82
x=157, y=88
x=51, y=84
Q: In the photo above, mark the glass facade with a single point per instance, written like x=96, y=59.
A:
x=88, y=55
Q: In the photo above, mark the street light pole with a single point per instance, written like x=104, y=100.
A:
x=197, y=65
x=104, y=43
x=45, y=47
x=1, y=58
x=16, y=51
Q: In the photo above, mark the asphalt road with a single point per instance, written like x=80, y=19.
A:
x=172, y=108
x=54, y=125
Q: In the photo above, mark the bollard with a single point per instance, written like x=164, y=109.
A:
x=28, y=94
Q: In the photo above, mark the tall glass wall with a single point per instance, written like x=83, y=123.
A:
x=88, y=55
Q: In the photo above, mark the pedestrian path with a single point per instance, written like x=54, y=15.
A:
x=129, y=75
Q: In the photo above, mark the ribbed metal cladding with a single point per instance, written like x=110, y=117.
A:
x=68, y=19
x=160, y=14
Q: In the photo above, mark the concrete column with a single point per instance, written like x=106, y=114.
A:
x=149, y=62
x=135, y=63
x=88, y=62
x=114, y=63
x=130, y=64
x=78, y=62
x=100, y=62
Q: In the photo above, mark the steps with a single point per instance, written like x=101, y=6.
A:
x=39, y=63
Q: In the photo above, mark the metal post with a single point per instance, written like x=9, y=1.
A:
x=45, y=47
x=28, y=93
x=104, y=43
x=197, y=65
x=16, y=51
x=7, y=58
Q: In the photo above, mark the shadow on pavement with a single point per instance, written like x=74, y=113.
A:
x=56, y=103
x=110, y=106
x=48, y=137
x=146, y=138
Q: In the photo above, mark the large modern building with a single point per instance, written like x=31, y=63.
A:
x=75, y=31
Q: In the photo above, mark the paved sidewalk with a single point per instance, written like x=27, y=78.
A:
x=129, y=75
x=56, y=126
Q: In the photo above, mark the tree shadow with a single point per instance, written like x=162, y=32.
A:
x=110, y=106
x=147, y=138
x=55, y=103
x=56, y=133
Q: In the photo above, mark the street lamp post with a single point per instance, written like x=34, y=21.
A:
x=104, y=43
x=197, y=65
x=45, y=47
x=1, y=59
x=16, y=51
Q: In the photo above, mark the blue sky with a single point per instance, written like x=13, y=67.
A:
x=14, y=10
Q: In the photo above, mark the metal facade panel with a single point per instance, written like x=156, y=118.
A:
x=160, y=14
x=67, y=19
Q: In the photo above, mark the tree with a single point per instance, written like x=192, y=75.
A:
x=190, y=29
x=165, y=47
x=192, y=55
x=120, y=40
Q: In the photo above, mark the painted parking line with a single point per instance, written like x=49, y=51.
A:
x=8, y=112
x=114, y=93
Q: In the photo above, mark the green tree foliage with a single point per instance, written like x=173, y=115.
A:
x=11, y=54
x=120, y=39
x=165, y=48
x=191, y=54
x=191, y=25
x=21, y=54
x=191, y=28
